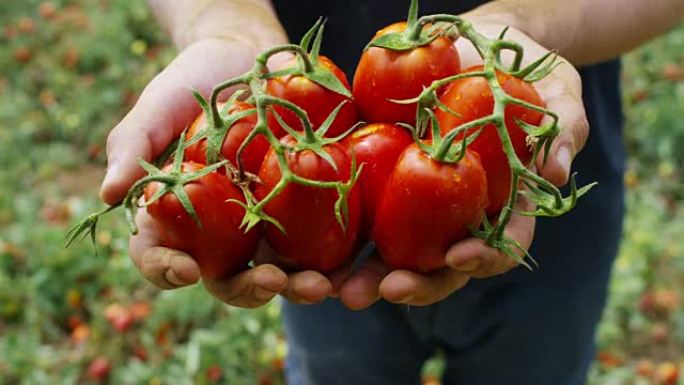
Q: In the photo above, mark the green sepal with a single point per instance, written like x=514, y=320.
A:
x=217, y=135
x=161, y=192
x=326, y=79
x=253, y=216
x=400, y=41
x=290, y=131
x=343, y=190
x=86, y=227
x=506, y=245
x=184, y=200
x=323, y=129
x=548, y=204
x=306, y=39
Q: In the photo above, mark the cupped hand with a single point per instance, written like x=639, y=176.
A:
x=473, y=258
x=165, y=108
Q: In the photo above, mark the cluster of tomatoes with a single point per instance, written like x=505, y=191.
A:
x=412, y=204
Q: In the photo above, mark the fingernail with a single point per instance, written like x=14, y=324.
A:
x=110, y=176
x=467, y=266
x=112, y=170
x=564, y=158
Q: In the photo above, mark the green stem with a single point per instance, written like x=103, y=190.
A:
x=262, y=58
x=414, y=30
x=310, y=136
x=448, y=140
x=215, y=116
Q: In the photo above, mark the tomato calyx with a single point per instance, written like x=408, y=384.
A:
x=309, y=65
x=254, y=210
x=416, y=35
x=216, y=133
x=442, y=148
x=172, y=182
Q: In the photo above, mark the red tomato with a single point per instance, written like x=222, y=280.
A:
x=427, y=206
x=317, y=101
x=99, y=369
x=220, y=247
x=315, y=239
x=377, y=146
x=472, y=99
x=238, y=132
x=384, y=74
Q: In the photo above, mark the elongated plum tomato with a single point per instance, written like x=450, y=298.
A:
x=314, y=239
x=472, y=99
x=220, y=247
x=254, y=153
x=377, y=146
x=427, y=206
x=316, y=100
x=383, y=74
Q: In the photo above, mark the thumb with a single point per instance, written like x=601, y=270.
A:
x=574, y=130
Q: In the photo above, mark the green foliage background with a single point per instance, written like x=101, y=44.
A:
x=88, y=61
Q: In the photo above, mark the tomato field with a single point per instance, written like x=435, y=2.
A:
x=70, y=69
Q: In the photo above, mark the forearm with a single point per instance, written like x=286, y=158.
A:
x=252, y=22
x=586, y=31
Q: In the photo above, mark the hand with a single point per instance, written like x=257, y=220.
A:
x=164, y=109
x=562, y=92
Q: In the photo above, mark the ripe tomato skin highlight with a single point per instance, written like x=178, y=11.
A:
x=428, y=206
x=377, y=146
x=472, y=99
x=316, y=100
x=314, y=240
x=220, y=247
x=383, y=74
x=253, y=155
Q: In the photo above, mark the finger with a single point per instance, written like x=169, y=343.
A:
x=406, y=287
x=474, y=257
x=562, y=91
x=307, y=287
x=163, y=267
x=362, y=289
x=251, y=288
x=164, y=109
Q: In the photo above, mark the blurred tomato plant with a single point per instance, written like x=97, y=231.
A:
x=641, y=338
x=70, y=69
